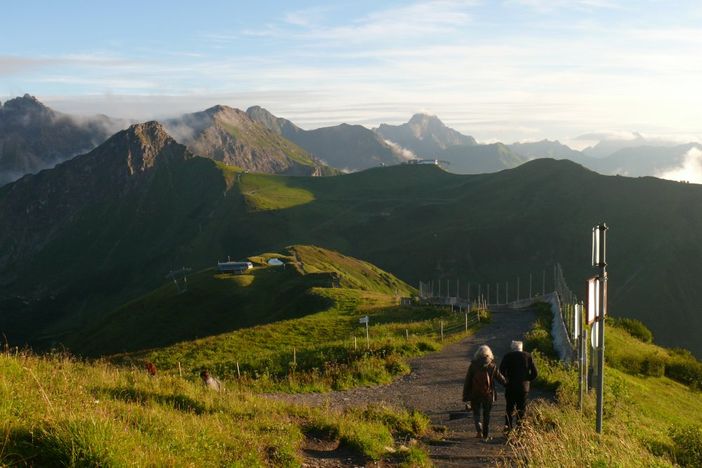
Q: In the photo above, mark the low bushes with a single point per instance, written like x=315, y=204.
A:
x=636, y=328
x=631, y=352
x=687, y=442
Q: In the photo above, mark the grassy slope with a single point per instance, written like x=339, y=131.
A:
x=215, y=303
x=323, y=345
x=59, y=412
x=416, y=221
x=480, y=227
x=640, y=412
x=256, y=320
x=258, y=136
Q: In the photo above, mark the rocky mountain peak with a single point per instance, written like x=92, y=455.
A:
x=424, y=119
x=217, y=109
x=143, y=144
x=26, y=103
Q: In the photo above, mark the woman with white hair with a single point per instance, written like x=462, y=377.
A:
x=479, y=388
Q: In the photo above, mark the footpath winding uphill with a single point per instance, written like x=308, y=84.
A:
x=434, y=387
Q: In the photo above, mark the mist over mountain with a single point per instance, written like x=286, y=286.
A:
x=346, y=147
x=35, y=137
x=646, y=160
x=425, y=135
x=230, y=136
x=609, y=144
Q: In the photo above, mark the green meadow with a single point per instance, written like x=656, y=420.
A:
x=652, y=415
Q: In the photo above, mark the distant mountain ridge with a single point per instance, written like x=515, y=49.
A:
x=550, y=149
x=230, y=136
x=346, y=147
x=425, y=135
x=35, y=137
x=480, y=159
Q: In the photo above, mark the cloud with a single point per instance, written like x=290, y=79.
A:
x=10, y=64
x=550, y=6
x=689, y=171
x=401, y=151
x=610, y=136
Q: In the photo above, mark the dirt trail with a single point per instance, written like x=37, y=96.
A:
x=434, y=387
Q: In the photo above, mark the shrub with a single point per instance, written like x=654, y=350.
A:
x=636, y=328
x=653, y=365
x=685, y=369
x=687, y=445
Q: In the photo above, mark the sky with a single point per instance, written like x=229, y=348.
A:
x=507, y=70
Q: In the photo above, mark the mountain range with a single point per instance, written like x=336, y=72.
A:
x=35, y=137
x=103, y=228
x=100, y=228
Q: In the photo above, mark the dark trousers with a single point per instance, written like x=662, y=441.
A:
x=481, y=408
x=515, y=398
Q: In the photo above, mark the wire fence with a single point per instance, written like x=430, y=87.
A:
x=568, y=302
x=517, y=292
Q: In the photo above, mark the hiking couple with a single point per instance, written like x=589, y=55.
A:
x=516, y=370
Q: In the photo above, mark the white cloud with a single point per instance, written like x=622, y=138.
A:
x=404, y=152
x=550, y=6
x=689, y=171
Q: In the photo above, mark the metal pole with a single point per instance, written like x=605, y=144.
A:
x=602, y=228
x=468, y=292
x=506, y=292
x=543, y=282
x=458, y=289
x=488, y=292
x=555, y=283
x=530, y=295
x=497, y=294
x=517, y=288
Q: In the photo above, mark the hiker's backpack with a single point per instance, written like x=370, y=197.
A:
x=481, y=385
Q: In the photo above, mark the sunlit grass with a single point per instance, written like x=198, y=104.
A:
x=55, y=411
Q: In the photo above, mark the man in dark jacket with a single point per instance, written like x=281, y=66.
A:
x=518, y=368
x=479, y=388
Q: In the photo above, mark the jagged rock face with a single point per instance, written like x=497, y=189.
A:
x=425, y=135
x=234, y=138
x=34, y=137
x=51, y=199
x=278, y=125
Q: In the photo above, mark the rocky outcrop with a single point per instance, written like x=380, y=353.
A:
x=231, y=136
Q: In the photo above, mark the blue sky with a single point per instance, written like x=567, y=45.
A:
x=499, y=70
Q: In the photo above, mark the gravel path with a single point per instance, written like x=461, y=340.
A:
x=434, y=387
